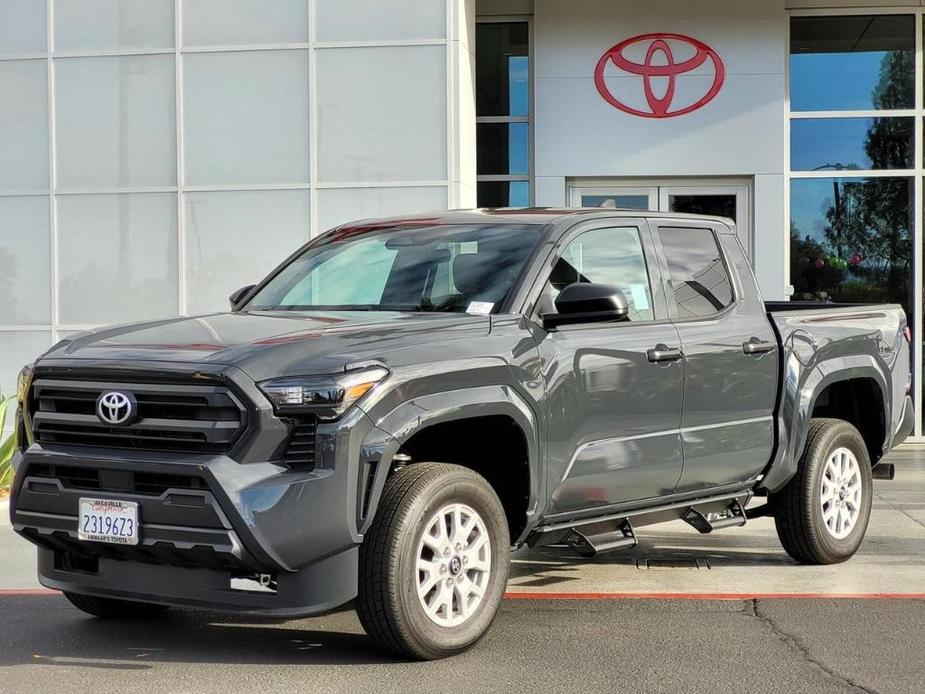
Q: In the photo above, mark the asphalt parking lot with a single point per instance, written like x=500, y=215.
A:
x=682, y=612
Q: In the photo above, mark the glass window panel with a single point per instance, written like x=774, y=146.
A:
x=117, y=257
x=19, y=348
x=22, y=26
x=115, y=121
x=607, y=256
x=241, y=22
x=113, y=24
x=851, y=241
x=375, y=127
x=852, y=62
x=503, y=148
x=221, y=227
x=626, y=202
x=246, y=117
x=23, y=125
x=336, y=20
x=340, y=205
x=696, y=271
x=503, y=193
x=723, y=205
x=25, y=274
x=838, y=144
x=502, y=69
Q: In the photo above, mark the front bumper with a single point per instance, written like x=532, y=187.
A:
x=205, y=520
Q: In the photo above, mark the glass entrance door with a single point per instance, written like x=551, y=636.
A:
x=721, y=198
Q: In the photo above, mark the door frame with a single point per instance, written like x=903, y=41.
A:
x=659, y=190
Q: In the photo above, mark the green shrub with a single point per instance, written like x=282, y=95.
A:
x=6, y=449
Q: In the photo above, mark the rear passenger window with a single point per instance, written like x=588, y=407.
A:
x=697, y=274
x=611, y=256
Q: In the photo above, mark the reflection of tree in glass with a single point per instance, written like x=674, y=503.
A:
x=866, y=253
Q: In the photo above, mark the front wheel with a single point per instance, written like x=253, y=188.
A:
x=434, y=563
x=822, y=513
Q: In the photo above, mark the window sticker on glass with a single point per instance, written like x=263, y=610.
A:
x=481, y=308
x=640, y=298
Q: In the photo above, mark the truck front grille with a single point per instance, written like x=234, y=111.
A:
x=111, y=480
x=181, y=417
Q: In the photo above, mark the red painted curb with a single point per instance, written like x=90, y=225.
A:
x=713, y=596
x=47, y=592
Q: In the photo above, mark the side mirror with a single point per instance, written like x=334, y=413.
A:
x=586, y=302
x=237, y=296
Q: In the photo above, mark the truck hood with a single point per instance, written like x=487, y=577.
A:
x=270, y=344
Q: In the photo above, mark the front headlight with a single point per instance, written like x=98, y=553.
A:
x=23, y=382
x=327, y=396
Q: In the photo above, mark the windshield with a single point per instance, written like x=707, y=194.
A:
x=457, y=268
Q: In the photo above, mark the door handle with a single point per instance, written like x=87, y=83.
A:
x=662, y=353
x=756, y=346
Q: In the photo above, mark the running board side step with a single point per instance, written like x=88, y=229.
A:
x=587, y=545
x=706, y=521
x=606, y=532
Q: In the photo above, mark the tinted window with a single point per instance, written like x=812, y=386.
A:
x=502, y=65
x=851, y=240
x=607, y=256
x=697, y=275
x=852, y=62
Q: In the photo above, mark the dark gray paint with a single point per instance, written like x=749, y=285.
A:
x=586, y=398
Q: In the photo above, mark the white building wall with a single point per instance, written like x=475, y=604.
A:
x=740, y=134
x=157, y=154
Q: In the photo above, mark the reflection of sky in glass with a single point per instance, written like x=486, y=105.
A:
x=835, y=81
x=518, y=85
x=518, y=146
x=519, y=194
x=809, y=200
x=837, y=143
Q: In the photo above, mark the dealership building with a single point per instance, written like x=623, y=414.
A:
x=157, y=154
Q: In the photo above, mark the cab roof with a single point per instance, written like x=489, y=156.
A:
x=511, y=215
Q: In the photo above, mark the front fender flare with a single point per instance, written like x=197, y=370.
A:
x=395, y=428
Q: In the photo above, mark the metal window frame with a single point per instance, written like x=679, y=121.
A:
x=916, y=173
x=531, y=107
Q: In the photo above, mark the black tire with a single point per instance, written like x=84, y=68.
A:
x=798, y=512
x=388, y=604
x=110, y=608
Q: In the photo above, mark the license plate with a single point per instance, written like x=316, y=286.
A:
x=108, y=520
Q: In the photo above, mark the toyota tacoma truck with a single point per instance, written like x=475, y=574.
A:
x=402, y=402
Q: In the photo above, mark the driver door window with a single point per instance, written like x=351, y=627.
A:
x=613, y=256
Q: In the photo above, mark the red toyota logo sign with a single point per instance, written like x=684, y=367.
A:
x=660, y=62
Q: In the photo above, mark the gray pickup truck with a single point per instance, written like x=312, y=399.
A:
x=404, y=401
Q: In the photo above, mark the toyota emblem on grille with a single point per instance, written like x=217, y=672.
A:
x=116, y=407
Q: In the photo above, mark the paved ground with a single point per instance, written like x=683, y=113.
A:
x=541, y=642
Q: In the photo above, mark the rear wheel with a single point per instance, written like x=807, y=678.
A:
x=434, y=564
x=110, y=608
x=822, y=513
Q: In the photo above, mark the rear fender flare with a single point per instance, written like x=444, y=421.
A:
x=800, y=398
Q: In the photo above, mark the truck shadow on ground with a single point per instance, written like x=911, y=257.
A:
x=57, y=635
x=551, y=566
